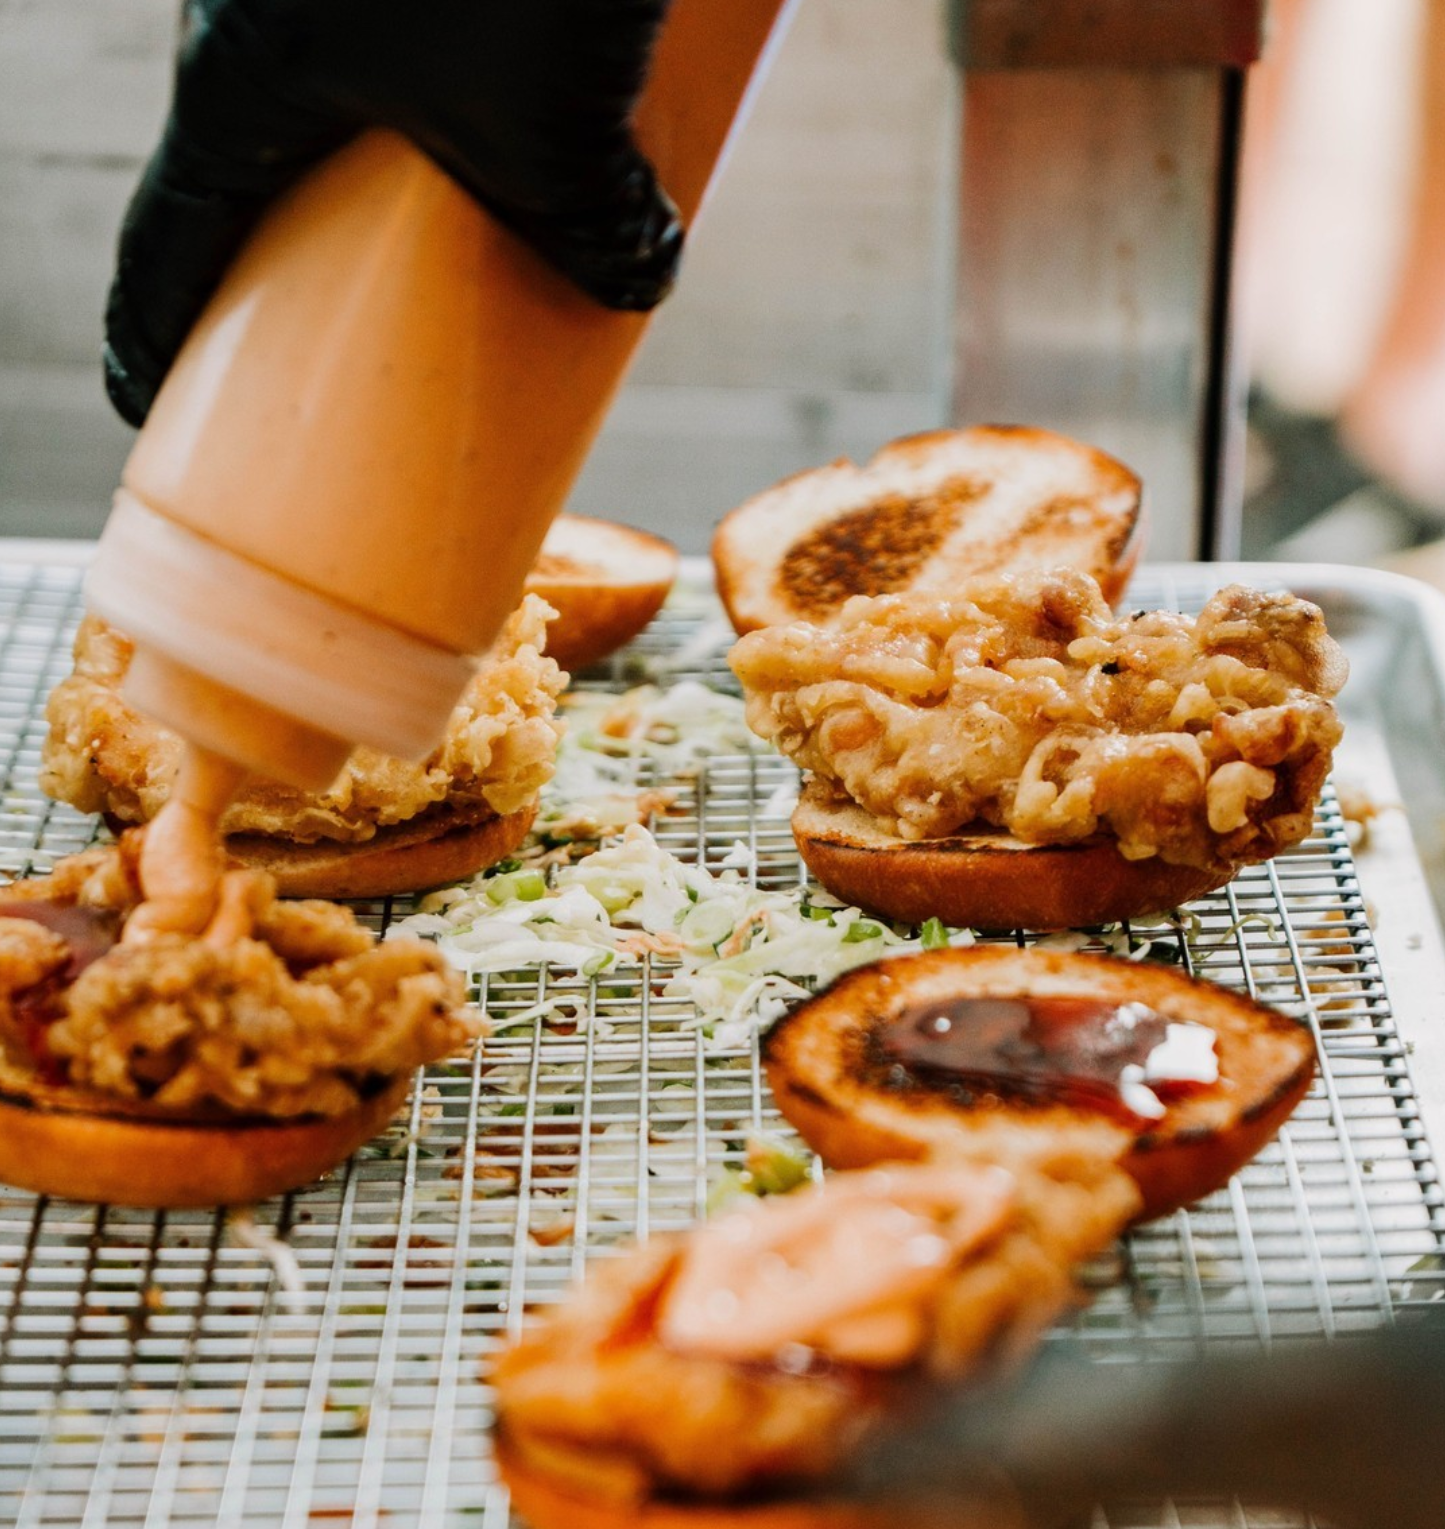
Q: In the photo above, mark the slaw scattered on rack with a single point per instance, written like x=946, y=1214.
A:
x=620, y=751
x=740, y=954
x=593, y=891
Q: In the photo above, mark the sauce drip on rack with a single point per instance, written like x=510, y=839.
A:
x=1070, y=1049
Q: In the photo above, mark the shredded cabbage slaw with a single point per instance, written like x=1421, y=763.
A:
x=742, y=955
x=594, y=892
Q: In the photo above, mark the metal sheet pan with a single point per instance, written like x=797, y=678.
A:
x=156, y=1369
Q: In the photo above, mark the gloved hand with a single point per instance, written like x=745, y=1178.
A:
x=527, y=103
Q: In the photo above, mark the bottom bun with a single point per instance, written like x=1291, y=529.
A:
x=834, y=1080
x=545, y=1504
x=407, y=857
x=62, y=1141
x=985, y=880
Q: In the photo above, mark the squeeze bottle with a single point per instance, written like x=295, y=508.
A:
x=353, y=461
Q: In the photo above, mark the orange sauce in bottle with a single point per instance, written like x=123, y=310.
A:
x=352, y=464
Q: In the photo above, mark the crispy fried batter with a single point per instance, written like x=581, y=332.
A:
x=300, y=1016
x=595, y=1386
x=187, y=1025
x=105, y=878
x=1022, y=703
x=592, y=1395
x=499, y=749
x=29, y=953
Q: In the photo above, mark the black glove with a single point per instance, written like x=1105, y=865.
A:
x=527, y=103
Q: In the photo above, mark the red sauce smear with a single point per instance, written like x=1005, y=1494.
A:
x=1067, y=1050
x=88, y=935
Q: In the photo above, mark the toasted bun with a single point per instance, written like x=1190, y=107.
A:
x=546, y=1504
x=407, y=857
x=985, y=880
x=856, y=1106
x=605, y=581
x=927, y=511
x=67, y=1142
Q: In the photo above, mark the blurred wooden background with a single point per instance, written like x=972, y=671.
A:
x=813, y=319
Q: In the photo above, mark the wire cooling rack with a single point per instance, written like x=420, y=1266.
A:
x=176, y=1369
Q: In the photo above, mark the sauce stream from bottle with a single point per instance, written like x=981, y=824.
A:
x=184, y=857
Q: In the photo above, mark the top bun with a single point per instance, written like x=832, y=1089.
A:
x=605, y=581
x=927, y=511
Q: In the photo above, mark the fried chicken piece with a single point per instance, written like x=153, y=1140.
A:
x=1022, y=703
x=498, y=752
x=106, y=878
x=609, y=1395
x=308, y=932
x=29, y=953
x=299, y=1014
x=595, y=1388
x=187, y=1026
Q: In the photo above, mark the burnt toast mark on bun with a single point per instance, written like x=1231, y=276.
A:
x=871, y=551
x=1020, y=498
x=811, y=1096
